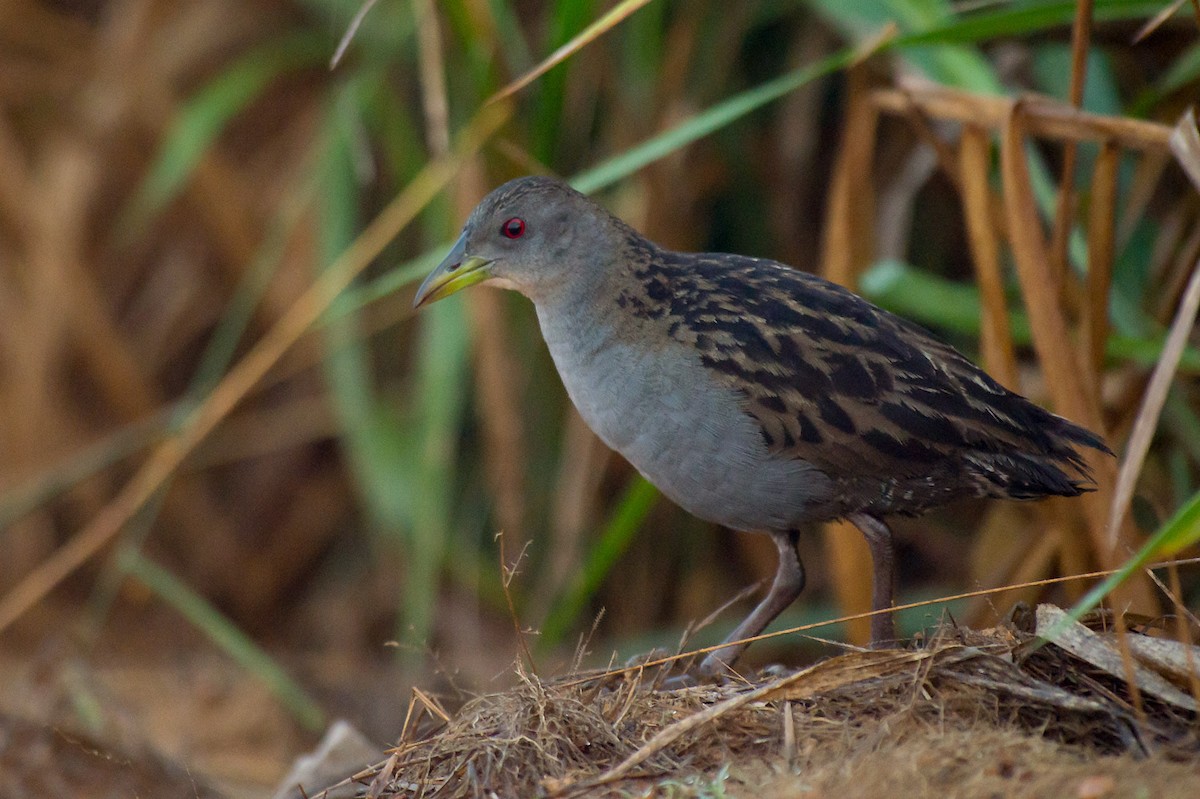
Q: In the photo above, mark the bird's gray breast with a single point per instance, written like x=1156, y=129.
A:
x=688, y=434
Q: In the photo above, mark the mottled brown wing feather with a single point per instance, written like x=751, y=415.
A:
x=900, y=420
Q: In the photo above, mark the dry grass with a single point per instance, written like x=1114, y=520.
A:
x=262, y=506
x=963, y=713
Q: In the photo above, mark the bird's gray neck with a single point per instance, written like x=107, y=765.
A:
x=577, y=321
x=584, y=304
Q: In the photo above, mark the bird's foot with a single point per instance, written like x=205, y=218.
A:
x=678, y=681
x=687, y=674
x=654, y=656
x=656, y=664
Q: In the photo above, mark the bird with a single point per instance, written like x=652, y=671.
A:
x=755, y=395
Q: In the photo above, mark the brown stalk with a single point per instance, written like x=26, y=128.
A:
x=1051, y=338
x=148, y=106
x=1185, y=145
x=217, y=189
x=1034, y=560
x=1074, y=544
x=999, y=356
x=1127, y=664
x=1041, y=117
x=682, y=39
x=309, y=526
x=165, y=460
x=848, y=242
x=498, y=405
x=1174, y=275
x=302, y=418
x=1050, y=332
x=1081, y=34
x=34, y=27
x=220, y=193
x=91, y=333
x=792, y=180
x=106, y=354
x=497, y=397
x=847, y=248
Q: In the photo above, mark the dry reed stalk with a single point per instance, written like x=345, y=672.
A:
x=999, y=356
x=166, y=459
x=1030, y=252
x=848, y=248
x=1041, y=117
x=1081, y=35
x=1075, y=387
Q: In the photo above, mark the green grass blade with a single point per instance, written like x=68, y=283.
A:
x=235, y=319
x=372, y=436
x=1184, y=70
x=567, y=20
x=739, y=105
x=932, y=300
x=208, y=112
x=1179, y=533
x=700, y=125
x=1051, y=68
x=1023, y=19
x=956, y=308
x=441, y=375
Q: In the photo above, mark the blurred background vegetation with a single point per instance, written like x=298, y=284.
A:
x=175, y=175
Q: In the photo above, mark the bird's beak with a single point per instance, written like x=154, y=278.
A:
x=456, y=271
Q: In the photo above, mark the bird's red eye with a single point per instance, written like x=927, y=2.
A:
x=513, y=228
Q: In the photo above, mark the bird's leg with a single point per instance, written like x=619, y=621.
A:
x=788, y=582
x=879, y=540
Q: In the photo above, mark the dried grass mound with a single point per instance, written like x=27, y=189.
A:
x=962, y=713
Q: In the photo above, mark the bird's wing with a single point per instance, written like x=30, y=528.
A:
x=847, y=386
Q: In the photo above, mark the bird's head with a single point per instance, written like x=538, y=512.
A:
x=534, y=235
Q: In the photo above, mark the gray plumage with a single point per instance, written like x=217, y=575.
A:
x=755, y=395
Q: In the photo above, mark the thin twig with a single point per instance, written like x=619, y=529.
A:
x=894, y=609
x=348, y=36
